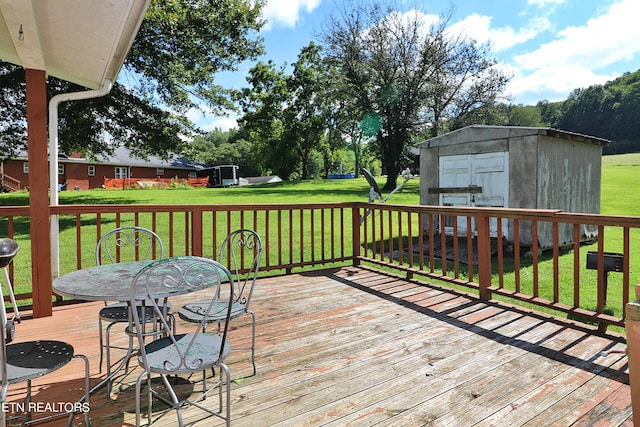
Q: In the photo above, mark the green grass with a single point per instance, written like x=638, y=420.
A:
x=620, y=179
x=620, y=183
x=317, y=191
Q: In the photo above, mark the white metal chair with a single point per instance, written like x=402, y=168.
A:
x=187, y=353
x=25, y=361
x=241, y=252
x=130, y=243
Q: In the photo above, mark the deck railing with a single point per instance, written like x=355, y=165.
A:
x=542, y=258
x=576, y=264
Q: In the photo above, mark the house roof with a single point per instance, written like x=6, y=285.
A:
x=122, y=157
x=477, y=133
x=83, y=42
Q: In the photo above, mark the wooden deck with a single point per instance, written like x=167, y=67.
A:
x=352, y=346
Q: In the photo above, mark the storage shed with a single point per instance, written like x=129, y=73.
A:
x=514, y=167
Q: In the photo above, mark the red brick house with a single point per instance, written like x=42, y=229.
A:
x=81, y=173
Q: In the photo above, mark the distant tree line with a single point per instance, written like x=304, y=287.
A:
x=610, y=111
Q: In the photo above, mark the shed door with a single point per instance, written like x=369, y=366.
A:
x=455, y=171
x=488, y=171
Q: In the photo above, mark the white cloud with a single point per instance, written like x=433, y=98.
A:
x=543, y=3
x=286, y=13
x=205, y=119
x=222, y=123
x=573, y=59
x=608, y=38
x=478, y=27
x=194, y=115
x=553, y=83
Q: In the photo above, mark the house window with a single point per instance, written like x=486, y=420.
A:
x=60, y=169
x=121, y=172
x=92, y=170
x=193, y=175
x=25, y=167
x=159, y=171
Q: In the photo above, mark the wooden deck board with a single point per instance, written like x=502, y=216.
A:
x=356, y=347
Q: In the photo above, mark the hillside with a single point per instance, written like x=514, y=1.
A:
x=628, y=159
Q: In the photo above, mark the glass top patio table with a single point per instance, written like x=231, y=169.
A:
x=107, y=282
x=111, y=282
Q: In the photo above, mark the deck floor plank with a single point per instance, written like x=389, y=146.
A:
x=353, y=346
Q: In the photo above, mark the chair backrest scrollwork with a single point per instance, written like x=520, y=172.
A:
x=130, y=243
x=241, y=253
x=158, y=281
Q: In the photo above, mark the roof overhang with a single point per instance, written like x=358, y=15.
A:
x=80, y=41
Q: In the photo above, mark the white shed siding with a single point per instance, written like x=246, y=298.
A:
x=517, y=167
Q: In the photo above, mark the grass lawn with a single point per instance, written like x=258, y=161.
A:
x=317, y=191
x=620, y=177
x=620, y=182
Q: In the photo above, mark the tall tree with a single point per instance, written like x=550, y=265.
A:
x=407, y=74
x=304, y=119
x=286, y=113
x=171, y=67
x=263, y=116
x=550, y=112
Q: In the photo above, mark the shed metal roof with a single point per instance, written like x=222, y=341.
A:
x=478, y=133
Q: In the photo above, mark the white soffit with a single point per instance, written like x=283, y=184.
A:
x=80, y=41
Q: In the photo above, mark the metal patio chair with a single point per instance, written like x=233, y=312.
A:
x=8, y=250
x=25, y=361
x=129, y=243
x=241, y=252
x=172, y=355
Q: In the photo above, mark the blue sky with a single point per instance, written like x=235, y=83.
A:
x=550, y=47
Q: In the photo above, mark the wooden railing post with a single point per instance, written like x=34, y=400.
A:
x=196, y=232
x=38, y=192
x=484, y=256
x=632, y=325
x=355, y=227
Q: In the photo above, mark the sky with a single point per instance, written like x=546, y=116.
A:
x=549, y=47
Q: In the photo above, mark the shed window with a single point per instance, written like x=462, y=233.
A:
x=92, y=170
x=60, y=168
x=193, y=175
x=25, y=167
x=160, y=171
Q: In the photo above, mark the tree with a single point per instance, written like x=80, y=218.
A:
x=409, y=75
x=263, y=117
x=183, y=44
x=343, y=129
x=286, y=114
x=230, y=147
x=180, y=47
x=507, y=115
x=142, y=127
x=304, y=119
x=550, y=112
x=609, y=111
